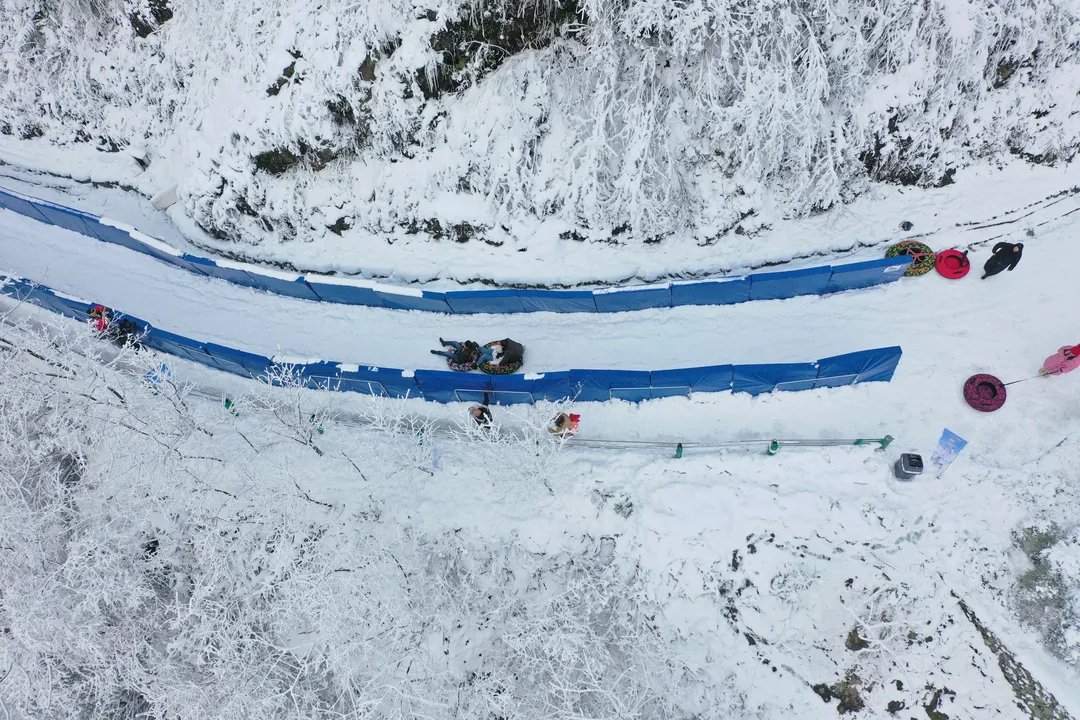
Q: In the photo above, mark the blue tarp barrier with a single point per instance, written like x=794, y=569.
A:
x=345, y=294
x=378, y=381
x=552, y=386
x=427, y=301
x=237, y=362
x=23, y=207
x=511, y=389
x=118, y=236
x=789, y=283
x=866, y=274
x=46, y=299
x=602, y=385
x=443, y=385
x=757, y=379
x=863, y=366
x=178, y=345
x=465, y=302
x=293, y=288
x=68, y=219
x=711, y=378
x=210, y=268
x=565, y=301
x=636, y=298
x=319, y=374
x=711, y=292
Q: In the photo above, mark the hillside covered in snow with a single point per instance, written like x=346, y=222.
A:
x=525, y=126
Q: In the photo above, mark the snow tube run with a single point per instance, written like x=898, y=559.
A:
x=984, y=392
x=1058, y=364
x=922, y=256
x=952, y=264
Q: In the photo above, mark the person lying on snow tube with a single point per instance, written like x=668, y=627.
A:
x=464, y=355
x=509, y=356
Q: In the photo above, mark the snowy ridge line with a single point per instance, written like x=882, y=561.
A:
x=875, y=365
x=352, y=291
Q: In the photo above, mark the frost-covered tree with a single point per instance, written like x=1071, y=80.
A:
x=164, y=556
x=625, y=119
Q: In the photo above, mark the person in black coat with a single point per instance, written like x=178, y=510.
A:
x=511, y=352
x=1005, y=256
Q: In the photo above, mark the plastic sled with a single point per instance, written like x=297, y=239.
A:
x=1058, y=364
x=499, y=368
x=984, y=392
x=952, y=264
x=922, y=257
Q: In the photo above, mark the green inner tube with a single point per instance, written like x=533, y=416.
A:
x=921, y=265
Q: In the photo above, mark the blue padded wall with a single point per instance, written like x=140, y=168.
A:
x=564, y=301
x=428, y=301
x=867, y=274
x=713, y=378
x=863, y=366
x=643, y=298
x=465, y=302
x=758, y=379
x=602, y=385
x=345, y=294
x=789, y=283
x=711, y=292
x=23, y=207
x=443, y=385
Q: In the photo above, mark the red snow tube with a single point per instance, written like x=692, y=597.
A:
x=984, y=392
x=952, y=264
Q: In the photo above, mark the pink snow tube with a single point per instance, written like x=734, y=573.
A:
x=1058, y=364
x=984, y=392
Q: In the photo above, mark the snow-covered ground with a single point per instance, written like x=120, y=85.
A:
x=761, y=567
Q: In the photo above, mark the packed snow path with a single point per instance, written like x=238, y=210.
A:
x=793, y=330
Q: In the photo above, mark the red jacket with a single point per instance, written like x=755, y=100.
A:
x=1072, y=352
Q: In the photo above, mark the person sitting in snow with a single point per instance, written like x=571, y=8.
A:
x=1004, y=256
x=466, y=352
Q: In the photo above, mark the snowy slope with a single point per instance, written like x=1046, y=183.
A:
x=537, y=132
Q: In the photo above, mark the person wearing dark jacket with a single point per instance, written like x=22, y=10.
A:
x=1005, y=256
x=511, y=352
